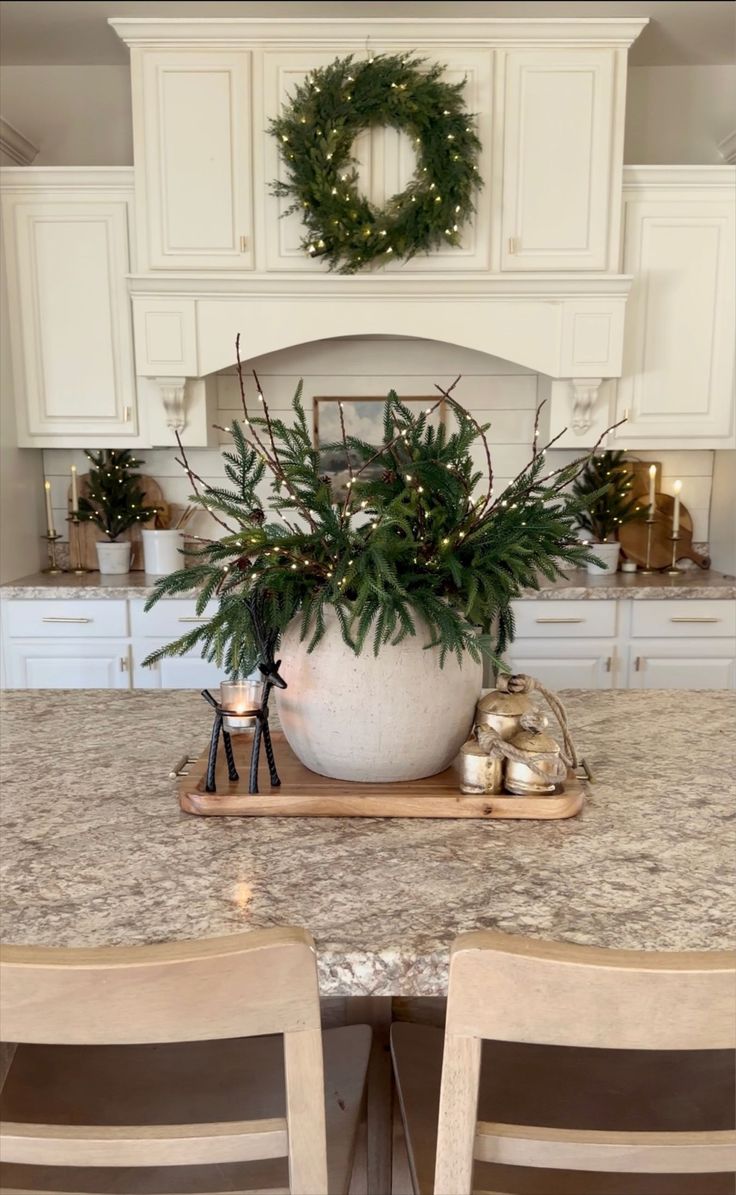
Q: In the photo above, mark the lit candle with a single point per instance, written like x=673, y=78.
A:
x=49, y=513
x=652, y=485
x=676, y=512
x=240, y=698
x=75, y=495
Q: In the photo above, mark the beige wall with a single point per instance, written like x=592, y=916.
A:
x=678, y=114
x=80, y=115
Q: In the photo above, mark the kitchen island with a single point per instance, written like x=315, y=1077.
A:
x=95, y=850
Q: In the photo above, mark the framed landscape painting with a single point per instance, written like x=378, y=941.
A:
x=363, y=417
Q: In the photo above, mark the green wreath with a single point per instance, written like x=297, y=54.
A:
x=316, y=134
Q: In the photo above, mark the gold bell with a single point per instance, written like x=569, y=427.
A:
x=502, y=711
x=478, y=772
x=548, y=772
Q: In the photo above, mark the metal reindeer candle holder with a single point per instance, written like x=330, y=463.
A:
x=256, y=716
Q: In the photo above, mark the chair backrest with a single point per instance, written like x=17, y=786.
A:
x=246, y=985
x=505, y=988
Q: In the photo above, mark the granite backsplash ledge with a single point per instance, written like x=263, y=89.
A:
x=577, y=585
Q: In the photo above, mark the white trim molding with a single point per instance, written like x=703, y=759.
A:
x=229, y=33
x=693, y=177
x=14, y=145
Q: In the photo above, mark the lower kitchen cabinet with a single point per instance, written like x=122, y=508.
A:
x=173, y=672
x=74, y=664
x=565, y=664
x=683, y=664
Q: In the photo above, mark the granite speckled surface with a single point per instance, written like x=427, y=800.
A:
x=95, y=850
x=691, y=584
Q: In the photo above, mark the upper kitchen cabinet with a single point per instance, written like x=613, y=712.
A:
x=66, y=237
x=192, y=122
x=563, y=121
x=677, y=386
x=386, y=160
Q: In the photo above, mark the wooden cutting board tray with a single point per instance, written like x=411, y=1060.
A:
x=305, y=794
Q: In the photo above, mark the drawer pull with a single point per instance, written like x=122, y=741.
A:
x=202, y=618
x=60, y=618
x=560, y=620
x=692, y=618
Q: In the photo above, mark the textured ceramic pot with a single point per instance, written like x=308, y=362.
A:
x=395, y=716
x=113, y=557
x=608, y=554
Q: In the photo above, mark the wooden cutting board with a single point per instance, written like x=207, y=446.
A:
x=633, y=537
x=84, y=536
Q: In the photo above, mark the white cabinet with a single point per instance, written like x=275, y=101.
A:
x=67, y=248
x=562, y=150
x=167, y=621
x=682, y=664
x=192, y=130
x=676, y=390
x=572, y=664
x=67, y=664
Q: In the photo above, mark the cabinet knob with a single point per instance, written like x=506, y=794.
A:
x=243, y=244
x=127, y=413
x=514, y=244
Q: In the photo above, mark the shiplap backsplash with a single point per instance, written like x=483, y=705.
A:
x=497, y=392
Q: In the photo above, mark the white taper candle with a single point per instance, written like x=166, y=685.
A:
x=49, y=513
x=75, y=495
x=652, y=489
x=677, y=487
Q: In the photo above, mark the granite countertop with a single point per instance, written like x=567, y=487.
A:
x=693, y=583
x=95, y=850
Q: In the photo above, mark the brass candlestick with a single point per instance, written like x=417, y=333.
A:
x=673, y=570
x=76, y=566
x=53, y=566
x=648, y=570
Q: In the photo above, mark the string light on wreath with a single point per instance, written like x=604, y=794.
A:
x=321, y=175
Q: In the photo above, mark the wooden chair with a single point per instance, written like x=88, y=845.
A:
x=593, y=1045
x=103, y=1095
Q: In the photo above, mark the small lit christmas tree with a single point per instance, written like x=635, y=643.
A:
x=114, y=499
x=606, y=484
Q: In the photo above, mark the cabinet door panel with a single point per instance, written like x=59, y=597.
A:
x=688, y=664
x=558, y=146
x=386, y=162
x=196, y=185
x=179, y=672
x=39, y=664
x=565, y=665
x=74, y=318
x=678, y=346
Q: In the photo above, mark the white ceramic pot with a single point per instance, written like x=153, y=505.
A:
x=113, y=557
x=395, y=716
x=608, y=554
x=162, y=552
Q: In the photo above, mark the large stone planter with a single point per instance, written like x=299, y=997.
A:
x=395, y=716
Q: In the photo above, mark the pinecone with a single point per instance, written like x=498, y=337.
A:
x=257, y=516
x=326, y=479
x=243, y=562
x=388, y=477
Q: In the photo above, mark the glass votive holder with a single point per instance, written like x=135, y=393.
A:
x=240, y=698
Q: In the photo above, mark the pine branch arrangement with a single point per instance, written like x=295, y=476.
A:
x=114, y=499
x=604, y=486
x=420, y=545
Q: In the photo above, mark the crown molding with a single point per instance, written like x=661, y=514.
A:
x=647, y=178
x=226, y=33
x=727, y=147
x=427, y=288
x=66, y=178
x=17, y=147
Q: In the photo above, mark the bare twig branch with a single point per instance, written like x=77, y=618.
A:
x=535, y=437
x=197, y=481
x=483, y=439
